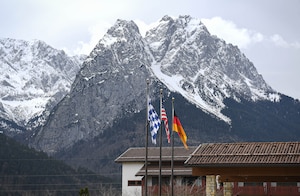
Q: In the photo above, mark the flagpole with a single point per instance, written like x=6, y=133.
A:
x=172, y=151
x=146, y=145
x=160, y=144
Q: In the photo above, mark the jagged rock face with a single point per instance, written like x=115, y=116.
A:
x=209, y=70
x=36, y=77
x=109, y=85
x=178, y=53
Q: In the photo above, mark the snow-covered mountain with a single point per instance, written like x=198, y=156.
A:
x=34, y=78
x=201, y=67
x=179, y=55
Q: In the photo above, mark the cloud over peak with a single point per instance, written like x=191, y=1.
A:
x=228, y=31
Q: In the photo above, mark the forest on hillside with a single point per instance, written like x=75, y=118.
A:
x=24, y=171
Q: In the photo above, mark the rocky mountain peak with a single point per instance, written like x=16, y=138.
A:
x=109, y=86
x=201, y=67
x=121, y=31
x=179, y=54
x=123, y=28
x=36, y=77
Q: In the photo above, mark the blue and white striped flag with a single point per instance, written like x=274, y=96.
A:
x=154, y=121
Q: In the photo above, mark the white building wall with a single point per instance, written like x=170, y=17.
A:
x=129, y=169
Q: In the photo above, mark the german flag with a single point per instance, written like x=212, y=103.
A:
x=177, y=127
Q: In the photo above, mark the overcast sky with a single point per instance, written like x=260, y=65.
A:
x=267, y=31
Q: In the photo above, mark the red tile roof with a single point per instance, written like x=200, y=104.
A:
x=246, y=154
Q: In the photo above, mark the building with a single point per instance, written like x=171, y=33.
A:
x=249, y=168
x=133, y=171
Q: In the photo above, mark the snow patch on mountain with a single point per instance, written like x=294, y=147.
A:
x=174, y=84
x=26, y=109
x=178, y=54
x=201, y=67
x=35, y=77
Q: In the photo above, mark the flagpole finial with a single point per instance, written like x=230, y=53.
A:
x=161, y=90
x=148, y=80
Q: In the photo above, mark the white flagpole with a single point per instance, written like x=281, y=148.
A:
x=172, y=151
x=146, y=145
x=160, y=144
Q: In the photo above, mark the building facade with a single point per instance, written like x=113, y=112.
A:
x=249, y=168
x=133, y=172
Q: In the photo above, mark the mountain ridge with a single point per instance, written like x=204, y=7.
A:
x=219, y=95
x=240, y=75
x=178, y=55
x=36, y=76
